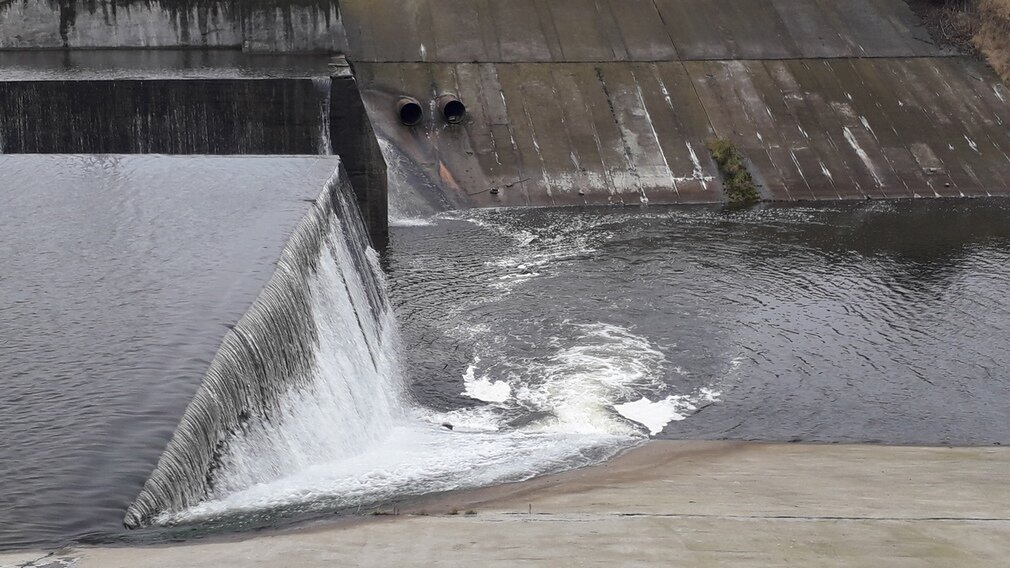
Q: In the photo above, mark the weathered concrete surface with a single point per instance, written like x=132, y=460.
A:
x=671, y=504
x=164, y=116
x=464, y=31
x=612, y=101
x=352, y=138
x=629, y=133
x=253, y=25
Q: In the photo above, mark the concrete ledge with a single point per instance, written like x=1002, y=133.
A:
x=669, y=503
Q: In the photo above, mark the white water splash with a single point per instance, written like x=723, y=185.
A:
x=483, y=388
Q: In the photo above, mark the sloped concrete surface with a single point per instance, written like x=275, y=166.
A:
x=670, y=503
x=611, y=101
x=454, y=31
x=632, y=133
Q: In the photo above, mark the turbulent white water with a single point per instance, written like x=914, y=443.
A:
x=345, y=435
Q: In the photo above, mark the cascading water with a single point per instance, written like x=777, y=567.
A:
x=308, y=374
x=323, y=86
x=304, y=407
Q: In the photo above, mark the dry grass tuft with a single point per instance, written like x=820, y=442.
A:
x=993, y=35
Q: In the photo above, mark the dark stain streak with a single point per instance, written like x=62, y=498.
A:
x=180, y=11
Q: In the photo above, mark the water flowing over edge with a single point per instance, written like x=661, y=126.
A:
x=271, y=351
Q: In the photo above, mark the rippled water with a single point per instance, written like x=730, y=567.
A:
x=866, y=322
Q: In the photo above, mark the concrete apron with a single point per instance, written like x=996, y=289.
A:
x=669, y=503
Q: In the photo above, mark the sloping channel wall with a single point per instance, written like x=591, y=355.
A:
x=612, y=101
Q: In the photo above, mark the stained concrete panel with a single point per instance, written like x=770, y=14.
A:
x=278, y=25
x=635, y=30
x=643, y=34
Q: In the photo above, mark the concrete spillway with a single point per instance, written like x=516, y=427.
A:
x=612, y=102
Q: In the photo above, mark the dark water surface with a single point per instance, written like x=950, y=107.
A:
x=118, y=276
x=865, y=322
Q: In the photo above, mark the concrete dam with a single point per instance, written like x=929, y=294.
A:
x=321, y=256
x=586, y=102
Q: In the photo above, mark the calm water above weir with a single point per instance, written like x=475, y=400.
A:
x=548, y=338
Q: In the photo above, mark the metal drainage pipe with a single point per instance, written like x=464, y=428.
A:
x=452, y=109
x=409, y=110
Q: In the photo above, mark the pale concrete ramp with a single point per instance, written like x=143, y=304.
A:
x=670, y=503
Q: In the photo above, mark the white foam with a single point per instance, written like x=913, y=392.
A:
x=579, y=384
x=655, y=416
x=411, y=221
x=415, y=458
x=484, y=388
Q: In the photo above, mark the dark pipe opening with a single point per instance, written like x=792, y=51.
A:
x=409, y=111
x=452, y=109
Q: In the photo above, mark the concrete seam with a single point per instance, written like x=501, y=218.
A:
x=668, y=60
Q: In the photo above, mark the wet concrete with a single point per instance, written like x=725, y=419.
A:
x=667, y=503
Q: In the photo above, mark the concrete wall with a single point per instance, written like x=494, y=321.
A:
x=627, y=133
x=253, y=25
x=354, y=140
x=612, y=101
x=629, y=30
x=164, y=116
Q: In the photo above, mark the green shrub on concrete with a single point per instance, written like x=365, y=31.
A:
x=737, y=181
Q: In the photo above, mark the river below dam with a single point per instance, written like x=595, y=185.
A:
x=545, y=338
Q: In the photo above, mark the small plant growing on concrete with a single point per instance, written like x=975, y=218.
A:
x=471, y=512
x=737, y=181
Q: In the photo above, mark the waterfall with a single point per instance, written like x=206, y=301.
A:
x=309, y=374
x=323, y=87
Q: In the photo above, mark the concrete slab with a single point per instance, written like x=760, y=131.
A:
x=672, y=503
